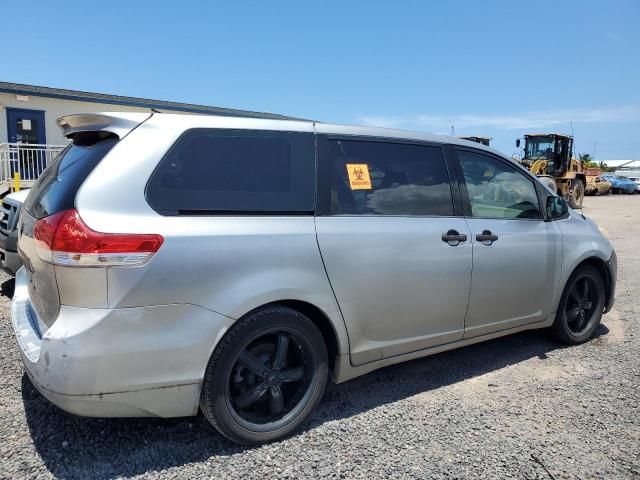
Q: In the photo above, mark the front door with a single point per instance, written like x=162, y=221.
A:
x=401, y=286
x=27, y=129
x=25, y=126
x=516, y=254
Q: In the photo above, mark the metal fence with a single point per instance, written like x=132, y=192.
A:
x=29, y=160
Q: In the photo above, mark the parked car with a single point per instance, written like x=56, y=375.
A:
x=178, y=262
x=597, y=186
x=636, y=181
x=9, y=212
x=620, y=184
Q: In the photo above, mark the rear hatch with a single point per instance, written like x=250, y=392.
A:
x=55, y=192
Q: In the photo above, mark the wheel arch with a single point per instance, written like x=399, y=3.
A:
x=324, y=324
x=603, y=267
x=320, y=319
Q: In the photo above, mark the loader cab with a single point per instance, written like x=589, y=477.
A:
x=553, y=148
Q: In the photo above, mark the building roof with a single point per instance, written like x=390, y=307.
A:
x=161, y=105
x=622, y=163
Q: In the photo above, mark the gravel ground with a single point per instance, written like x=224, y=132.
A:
x=521, y=407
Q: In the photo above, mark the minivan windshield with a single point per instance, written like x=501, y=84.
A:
x=57, y=186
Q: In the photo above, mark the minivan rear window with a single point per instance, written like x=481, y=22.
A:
x=235, y=171
x=56, y=188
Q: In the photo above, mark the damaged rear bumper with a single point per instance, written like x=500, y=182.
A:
x=172, y=401
x=127, y=362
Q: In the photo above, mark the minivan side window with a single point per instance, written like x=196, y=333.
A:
x=384, y=178
x=496, y=189
x=235, y=171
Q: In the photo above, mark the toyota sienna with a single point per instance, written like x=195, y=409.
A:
x=234, y=265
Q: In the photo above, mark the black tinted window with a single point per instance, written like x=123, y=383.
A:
x=235, y=171
x=496, y=189
x=382, y=178
x=56, y=188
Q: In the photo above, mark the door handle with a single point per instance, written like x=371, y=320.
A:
x=486, y=237
x=453, y=238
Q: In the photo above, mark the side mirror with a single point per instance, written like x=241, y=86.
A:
x=557, y=207
x=517, y=143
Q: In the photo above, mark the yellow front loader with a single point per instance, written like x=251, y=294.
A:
x=549, y=157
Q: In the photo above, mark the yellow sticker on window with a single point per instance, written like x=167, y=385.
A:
x=359, y=178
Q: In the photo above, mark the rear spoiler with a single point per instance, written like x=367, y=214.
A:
x=118, y=123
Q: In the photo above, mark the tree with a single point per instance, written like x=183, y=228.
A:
x=588, y=160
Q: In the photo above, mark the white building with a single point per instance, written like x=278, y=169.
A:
x=29, y=136
x=625, y=168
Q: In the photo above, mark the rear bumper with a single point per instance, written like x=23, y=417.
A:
x=139, y=361
x=174, y=401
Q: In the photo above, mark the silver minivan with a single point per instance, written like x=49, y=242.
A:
x=233, y=265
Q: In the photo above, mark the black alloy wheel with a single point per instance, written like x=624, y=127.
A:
x=266, y=376
x=581, y=306
x=269, y=378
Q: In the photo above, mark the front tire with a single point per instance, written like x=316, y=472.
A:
x=265, y=377
x=581, y=306
x=577, y=195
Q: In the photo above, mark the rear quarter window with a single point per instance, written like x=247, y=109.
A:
x=235, y=171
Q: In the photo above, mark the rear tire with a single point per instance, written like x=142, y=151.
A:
x=265, y=377
x=581, y=306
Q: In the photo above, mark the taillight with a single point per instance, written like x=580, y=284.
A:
x=64, y=239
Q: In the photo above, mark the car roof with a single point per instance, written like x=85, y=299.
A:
x=214, y=121
x=122, y=123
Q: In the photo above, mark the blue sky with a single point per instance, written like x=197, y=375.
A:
x=491, y=68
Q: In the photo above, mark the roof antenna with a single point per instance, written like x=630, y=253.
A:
x=155, y=111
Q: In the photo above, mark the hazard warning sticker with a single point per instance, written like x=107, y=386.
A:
x=359, y=178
